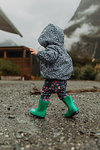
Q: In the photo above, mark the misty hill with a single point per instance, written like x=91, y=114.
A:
x=83, y=30
x=8, y=43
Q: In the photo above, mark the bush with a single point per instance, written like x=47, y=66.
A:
x=76, y=72
x=97, y=78
x=97, y=67
x=8, y=68
x=87, y=73
x=79, y=59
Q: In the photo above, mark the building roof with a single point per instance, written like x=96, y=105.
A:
x=14, y=48
x=7, y=25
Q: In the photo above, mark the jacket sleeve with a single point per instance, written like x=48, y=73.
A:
x=49, y=55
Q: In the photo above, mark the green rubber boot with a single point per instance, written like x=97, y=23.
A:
x=40, y=111
x=72, y=109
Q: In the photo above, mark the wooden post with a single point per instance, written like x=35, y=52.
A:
x=31, y=63
x=23, y=65
x=24, y=53
x=5, y=54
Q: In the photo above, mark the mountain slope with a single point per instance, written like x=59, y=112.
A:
x=8, y=43
x=84, y=28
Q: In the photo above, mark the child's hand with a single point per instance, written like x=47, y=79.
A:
x=33, y=51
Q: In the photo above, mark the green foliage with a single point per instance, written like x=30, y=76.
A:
x=84, y=67
x=97, y=78
x=76, y=72
x=8, y=68
x=79, y=59
x=87, y=73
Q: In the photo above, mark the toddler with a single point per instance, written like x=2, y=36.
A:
x=56, y=68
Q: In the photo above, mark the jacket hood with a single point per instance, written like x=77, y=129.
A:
x=51, y=35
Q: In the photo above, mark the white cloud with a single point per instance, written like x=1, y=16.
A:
x=83, y=15
x=89, y=11
x=85, y=29
x=75, y=21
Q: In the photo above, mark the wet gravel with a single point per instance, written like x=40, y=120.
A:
x=20, y=131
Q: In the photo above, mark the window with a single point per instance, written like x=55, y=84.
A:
x=14, y=53
x=1, y=54
x=28, y=53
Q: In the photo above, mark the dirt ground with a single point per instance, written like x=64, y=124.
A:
x=20, y=131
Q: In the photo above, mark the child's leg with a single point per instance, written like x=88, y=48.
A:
x=67, y=99
x=46, y=90
x=43, y=101
x=61, y=89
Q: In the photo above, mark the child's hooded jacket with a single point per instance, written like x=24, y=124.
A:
x=55, y=63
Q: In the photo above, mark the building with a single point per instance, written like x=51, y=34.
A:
x=7, y=25
x=29, y=65
x=20, y=55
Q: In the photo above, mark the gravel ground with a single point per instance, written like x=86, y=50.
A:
x=20, y=131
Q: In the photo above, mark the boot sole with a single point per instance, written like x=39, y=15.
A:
x=75, y=113
x=36, y=116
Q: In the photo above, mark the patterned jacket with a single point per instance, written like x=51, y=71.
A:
x=55, y=62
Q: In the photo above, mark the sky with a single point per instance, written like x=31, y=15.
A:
x=31, y=16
